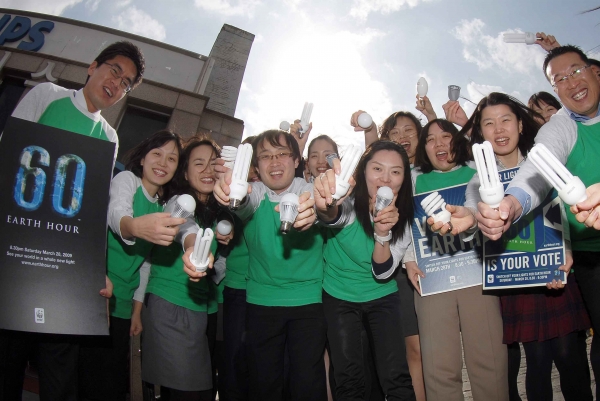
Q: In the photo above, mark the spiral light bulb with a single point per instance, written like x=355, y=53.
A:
x=349, y=162
x=435, y=207
x=224, y=227
x=384, y=197
x=570, y=188
x=491, y=189
x=228, y=154
x=288, y=211
x=365, y=120
x=239, y=178
x=199, y=256
x=519, y=37
x=183, y=207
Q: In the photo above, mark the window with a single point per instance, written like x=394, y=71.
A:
x=138, y=124
x=11, y=90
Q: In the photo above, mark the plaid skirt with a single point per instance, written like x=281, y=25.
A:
x=539, y=314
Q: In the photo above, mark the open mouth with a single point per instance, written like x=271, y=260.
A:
x=501, y=141
x=405, y=145
x=159, y=173
x=580, y=95
x=441, y=155
x=108, y=91
x=207, y=180
x=276, y=174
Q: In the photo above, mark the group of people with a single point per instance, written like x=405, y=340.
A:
x=332, y=309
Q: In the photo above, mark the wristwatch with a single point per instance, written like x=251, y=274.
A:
x=381, y=240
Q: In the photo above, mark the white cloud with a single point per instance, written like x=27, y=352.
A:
x=54, y=7
x=334, y=78
x=92, y=5
x=362, y=8
x=122, y=3
x=229, y=8
x=139, y=22
x=491, y=52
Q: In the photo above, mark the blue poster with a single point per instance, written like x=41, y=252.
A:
x=449, y=262
x=530, y=253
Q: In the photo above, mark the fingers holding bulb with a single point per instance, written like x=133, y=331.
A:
x=306, y=212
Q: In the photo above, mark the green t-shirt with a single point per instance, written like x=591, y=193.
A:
x=285, y=270
x=348, y=276
x=436, y=179
x=124, y=261
x=238, y=259
x=582, y=162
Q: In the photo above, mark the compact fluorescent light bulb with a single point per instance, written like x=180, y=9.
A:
x=228, y=154
x=183, y=207
x=288, y=211
x=349, y=162
x=570, y=188
x=239, y=178
x=435, y=207
x=491, y=189
x=224, y=227
x=305, y=119
x=365, y=120
x=383, y=199
x=199, y=256
x=517, y=37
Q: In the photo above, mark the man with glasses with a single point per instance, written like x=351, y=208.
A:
x=114, y=73
x=573, y=136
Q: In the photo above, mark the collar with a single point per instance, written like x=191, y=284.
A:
x=501, y=166
x=578, y=117
x=81, y=104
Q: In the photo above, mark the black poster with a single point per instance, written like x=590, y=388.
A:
x=53, y=204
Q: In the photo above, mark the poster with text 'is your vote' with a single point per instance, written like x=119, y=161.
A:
x=449, y=262
x=54, y=201
x=531, y=251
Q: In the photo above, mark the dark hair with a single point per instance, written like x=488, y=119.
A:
x=206, y=213
x=326, y=138
x=390, y=123
x=272, y=136
x=362, y=200
x=249, y=140
x=134, y=156
x=459, y=146
x=125, y=49
x=545, y=97
x=523, y=113
x=559, y=51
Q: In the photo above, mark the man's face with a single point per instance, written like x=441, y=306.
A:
x=276, y=165
x=102, y=90
x=580, y=92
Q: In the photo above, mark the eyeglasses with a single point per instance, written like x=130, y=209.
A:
x=396, y=137
x=575, y=74
x=125, y=85
x=283, y=156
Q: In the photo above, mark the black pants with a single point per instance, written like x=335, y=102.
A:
x=272, y=329
x=234, y=378
x=104, y=363
x=57, y=364
x=587, y=274
x=344, y=326
x=564, y=351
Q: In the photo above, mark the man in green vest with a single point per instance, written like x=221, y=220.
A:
x=112, y=75
x=573, y=136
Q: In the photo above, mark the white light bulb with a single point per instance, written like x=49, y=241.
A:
x=239, y=179
x=199, y=256
x=224, y=227
x=570, y=188
x=422, y=87
x=435, y=207
x=228, y=154
x=349, y=162
x=453, y=92
x=365, y=120
x=384, y=197
x=305, y=119
x=284, y=126
x=183, y=207
x=518, y=37
x=491, y=189
x=288, y=211
x=330, y=158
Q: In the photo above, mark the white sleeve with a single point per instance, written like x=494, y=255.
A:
x=140, y=293
x=122, y=191
x=398, y=250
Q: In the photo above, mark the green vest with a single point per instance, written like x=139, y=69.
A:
x=435, y=180
x=583, y=163
x=348, y=276
x=238, y=259
x=285, y=270
x=63, y=114
x=124, y=261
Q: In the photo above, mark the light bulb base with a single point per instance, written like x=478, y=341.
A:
x=492, y=196
x=200, y=267
x=573, y=192
x=443, y=216
x=234, y=204
x=286, y=226
x=341, y=189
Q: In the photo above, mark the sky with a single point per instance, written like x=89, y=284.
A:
x=349, y=55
